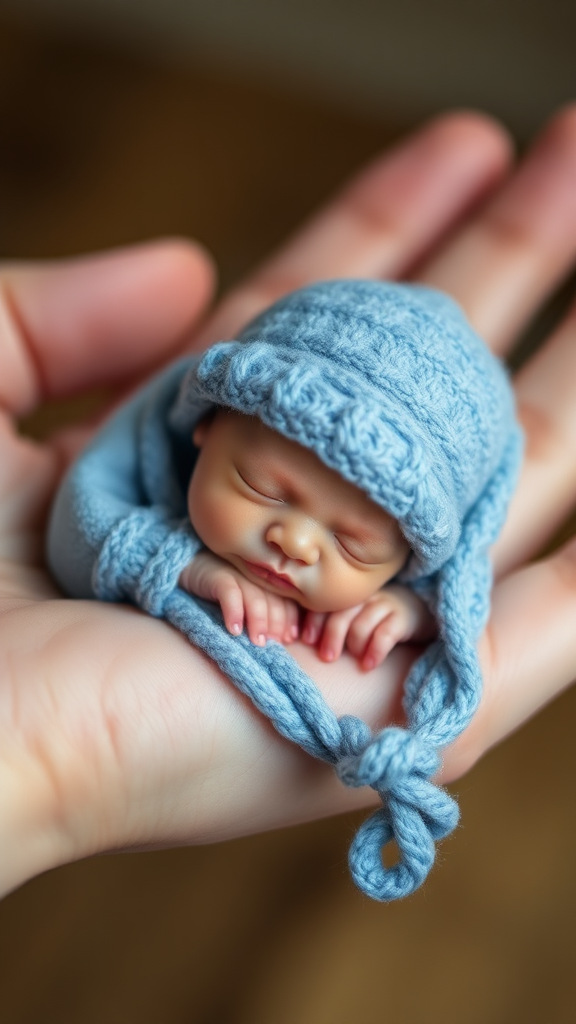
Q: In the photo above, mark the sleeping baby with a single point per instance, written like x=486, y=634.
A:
x=337, y=473
x=284, y=532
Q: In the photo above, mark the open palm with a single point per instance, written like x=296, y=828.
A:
x=114, y=731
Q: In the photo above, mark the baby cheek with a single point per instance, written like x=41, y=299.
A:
x=206, y=512
x=218, y=518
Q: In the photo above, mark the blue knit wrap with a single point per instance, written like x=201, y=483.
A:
x=390, y=387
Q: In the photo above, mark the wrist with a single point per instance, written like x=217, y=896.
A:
x=197, y=577
x=187, y=578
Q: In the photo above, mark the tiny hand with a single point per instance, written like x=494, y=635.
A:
x=267, y=615
x=370, y=630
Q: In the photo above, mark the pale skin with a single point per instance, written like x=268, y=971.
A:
x=114, y=731
x=285, y=532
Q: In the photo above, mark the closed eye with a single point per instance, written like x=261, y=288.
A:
x=348, y=548
x=256, y=490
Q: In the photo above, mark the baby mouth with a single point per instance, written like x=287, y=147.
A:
x=264, y=572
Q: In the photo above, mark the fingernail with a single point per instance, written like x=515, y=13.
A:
x=328, y=655
x=368, y=663
x=261, y=640
x=294, y=632
x=236, y=628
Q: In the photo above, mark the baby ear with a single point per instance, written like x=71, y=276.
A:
x=202, y=428
x=200, y=432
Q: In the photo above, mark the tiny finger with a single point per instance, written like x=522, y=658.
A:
x=276, y=617
x=312, y=627
x=363, y=626
x=383, y=639
x=256, y=612
x=231, y=602
x=334, y=633
x=292, y=628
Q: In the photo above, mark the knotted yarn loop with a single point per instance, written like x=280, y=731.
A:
x=387, y=760
x=398, y=765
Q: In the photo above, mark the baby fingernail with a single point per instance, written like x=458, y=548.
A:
x=294, y=631
x=261, y=639
x=236, y=628
x=368, y=663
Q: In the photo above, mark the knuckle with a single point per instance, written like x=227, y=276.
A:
x=225, y=582
x=389, y=625
x=506, y=232
x=260, y=606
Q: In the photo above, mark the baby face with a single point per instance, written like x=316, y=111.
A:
x=285, y=520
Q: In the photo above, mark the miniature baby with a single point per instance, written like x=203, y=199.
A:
x=284, y=532
x=356, y=432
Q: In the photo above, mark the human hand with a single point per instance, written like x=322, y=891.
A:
x=114, y=732
x=267, y=615
x=370, y=630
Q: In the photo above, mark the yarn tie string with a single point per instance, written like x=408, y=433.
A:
x=398, y=765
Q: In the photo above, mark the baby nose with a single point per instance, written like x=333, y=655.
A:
x=295, y=536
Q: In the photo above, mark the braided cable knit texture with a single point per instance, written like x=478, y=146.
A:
x=388, y=385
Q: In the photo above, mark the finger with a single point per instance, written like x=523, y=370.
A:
x=334, y=633
x=85, y=322
x=279, y=627
x=282, y=619
x=507, y=260
x=520, y=676
x=292, y=621
x=276, y=617
x=256, y=612
x=385, y=219
x=27, y=478
x=363, y=626
x=386, y=635
x=312, y=627
x=231, y=601
x=546, y=394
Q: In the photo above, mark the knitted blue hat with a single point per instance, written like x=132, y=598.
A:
x=389, y=385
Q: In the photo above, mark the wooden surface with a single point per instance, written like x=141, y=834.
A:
x=97, y=150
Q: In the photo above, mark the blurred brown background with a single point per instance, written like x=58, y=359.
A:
x=102, y=144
